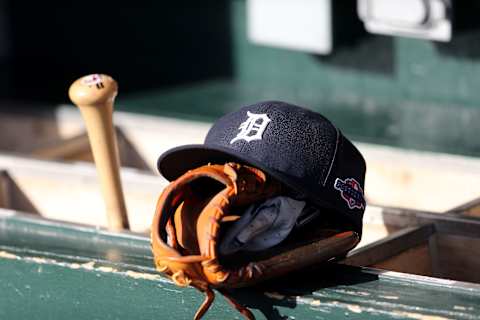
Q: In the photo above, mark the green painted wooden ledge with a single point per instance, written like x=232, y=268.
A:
x=53, y=270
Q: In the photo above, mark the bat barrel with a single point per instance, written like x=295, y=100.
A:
x=94, y=95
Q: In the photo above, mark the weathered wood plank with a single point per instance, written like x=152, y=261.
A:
x=458, y=257
x=471, y=208
x=72, y=148
x=5, y=190
x=13, y=197
x=53, y=188
x=444, y=223
x=55, y=289
x=415, y=260
x=449, y=250
x=57, y=271
x=395, y=177
x=390, y=246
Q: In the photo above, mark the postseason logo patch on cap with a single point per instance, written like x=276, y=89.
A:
x=351, y=192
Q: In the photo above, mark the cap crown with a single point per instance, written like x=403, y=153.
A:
x=301, y=148
x=284, y=137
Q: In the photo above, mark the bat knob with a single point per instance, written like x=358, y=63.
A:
x=93, y=90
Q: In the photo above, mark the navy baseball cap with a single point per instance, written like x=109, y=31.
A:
x=299, y=147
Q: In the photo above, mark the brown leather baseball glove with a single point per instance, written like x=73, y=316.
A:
x=193, y=214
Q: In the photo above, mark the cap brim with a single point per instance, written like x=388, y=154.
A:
x=175, y=162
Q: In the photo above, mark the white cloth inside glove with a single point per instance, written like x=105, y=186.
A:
x=262, y=226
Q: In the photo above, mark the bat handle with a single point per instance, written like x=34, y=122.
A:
x=94, y=96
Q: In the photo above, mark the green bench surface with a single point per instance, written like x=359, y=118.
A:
x=52, y=270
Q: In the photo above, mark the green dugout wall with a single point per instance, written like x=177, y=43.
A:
x=194, y=60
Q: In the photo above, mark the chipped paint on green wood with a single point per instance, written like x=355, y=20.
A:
x=33, y=286
x=64, y=271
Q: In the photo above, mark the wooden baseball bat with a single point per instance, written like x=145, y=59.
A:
x=94, y=95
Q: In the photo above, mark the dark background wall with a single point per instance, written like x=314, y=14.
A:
x=146, y=44
x=193, y=60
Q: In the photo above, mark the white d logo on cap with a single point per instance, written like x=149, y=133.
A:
x=252, y=128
